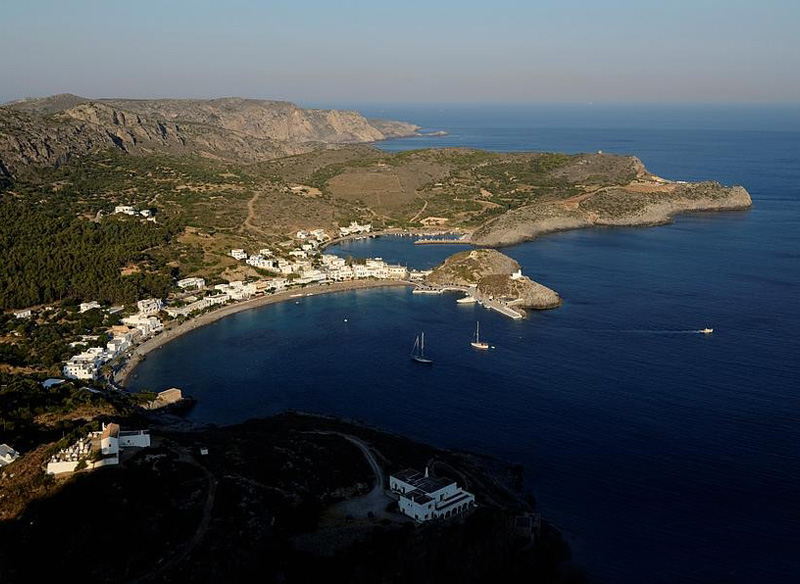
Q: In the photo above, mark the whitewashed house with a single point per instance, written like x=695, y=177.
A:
x=424, y=498
x=7, y=455
x=27, y=313
x=239, y=254
x=125, y=210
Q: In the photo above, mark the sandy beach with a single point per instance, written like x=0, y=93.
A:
x=170, y=334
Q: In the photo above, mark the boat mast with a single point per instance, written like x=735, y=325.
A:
x=478, y=332
x=422, y=346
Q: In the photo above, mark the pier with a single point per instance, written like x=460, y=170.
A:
x=441, y=241
x=497, y=305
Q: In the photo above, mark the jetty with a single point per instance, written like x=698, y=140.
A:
x=506, y=309
x=441, y=241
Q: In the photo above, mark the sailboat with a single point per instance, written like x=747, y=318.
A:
x=418, y=352
x=477, y=342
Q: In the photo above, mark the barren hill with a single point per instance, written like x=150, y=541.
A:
x=51, y=131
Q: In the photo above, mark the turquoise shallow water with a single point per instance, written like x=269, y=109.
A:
x=665, y=456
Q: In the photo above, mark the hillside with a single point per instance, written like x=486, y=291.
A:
x=245, y=513
x=50, y=131
x=205, y=184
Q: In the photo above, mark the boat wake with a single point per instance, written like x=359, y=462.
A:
x=654, y=332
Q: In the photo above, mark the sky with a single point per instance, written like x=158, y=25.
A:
x=407, y=51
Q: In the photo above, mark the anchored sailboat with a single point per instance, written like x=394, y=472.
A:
x=477, y=342
x=418, y=352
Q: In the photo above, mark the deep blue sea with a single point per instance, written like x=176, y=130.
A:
x=664, y=456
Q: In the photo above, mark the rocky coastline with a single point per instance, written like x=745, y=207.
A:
x=611, y=208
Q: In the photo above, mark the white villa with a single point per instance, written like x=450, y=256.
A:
x=86, y=306
x=191, y=283
x=424, y=498
x=239, y=254
x=7, y=455
x=97, y=449
x=150, y=306
x=27, y=313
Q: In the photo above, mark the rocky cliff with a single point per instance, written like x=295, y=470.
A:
x=496, y=276
x=52, y=130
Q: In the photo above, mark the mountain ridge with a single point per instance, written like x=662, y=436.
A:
x=50, y=131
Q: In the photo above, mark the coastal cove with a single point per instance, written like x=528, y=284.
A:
x=611, y=401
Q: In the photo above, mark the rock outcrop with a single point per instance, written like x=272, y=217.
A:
x=497, y=278
x=50, y=131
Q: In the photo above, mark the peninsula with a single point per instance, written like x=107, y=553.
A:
x=495, y=278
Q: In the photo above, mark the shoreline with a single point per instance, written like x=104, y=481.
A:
x=123, y=373
x=396, y=232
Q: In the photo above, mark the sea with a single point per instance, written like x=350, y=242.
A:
x=663, y=455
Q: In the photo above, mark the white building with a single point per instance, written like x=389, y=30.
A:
x=397, y=272
x=86, y=306
x=302, y=234
x=285, y=267
x=191, y=284
x=277, y=284
x=146, y=213
x=424, y=498
x=148, y=325
x=150, y=306
x=265, y=252
x=27, y=313
x=311, y=276
x=7, y=455
x=134, y=438
x=355, y=228
x=97, y=449
x=84, y=365
x=339, y=273
x=198, y=305
x=125, y=209
x=328, y=259
x=259, y=261
x=239, y=254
